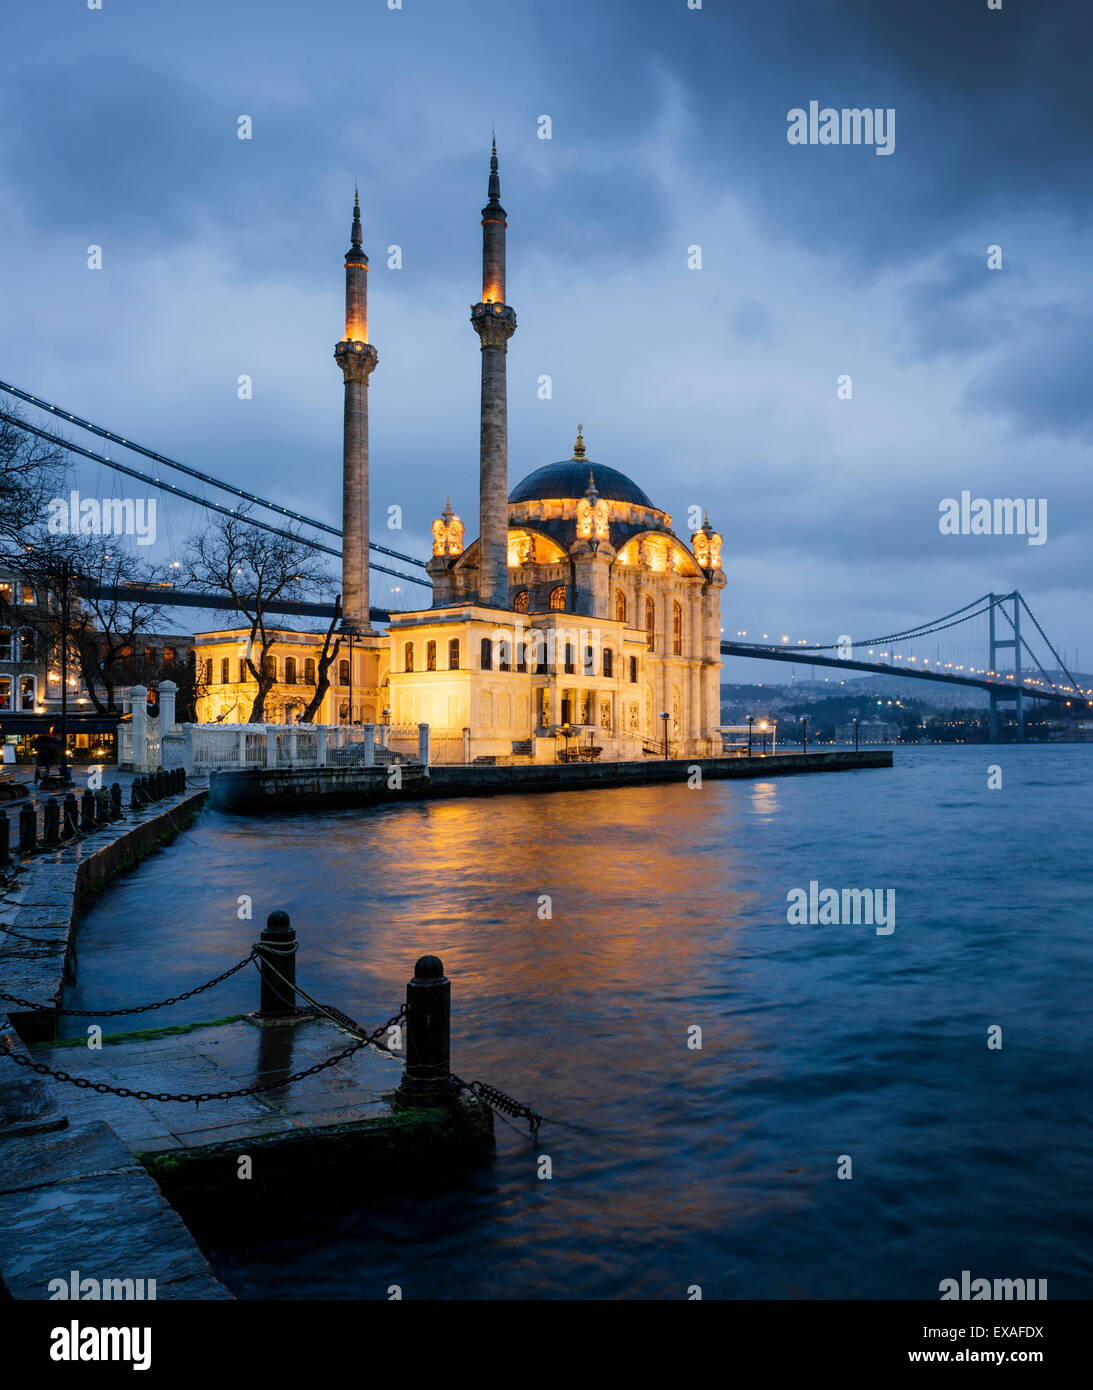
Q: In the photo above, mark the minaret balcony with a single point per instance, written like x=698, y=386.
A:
x=491, y=311
x=356, y=359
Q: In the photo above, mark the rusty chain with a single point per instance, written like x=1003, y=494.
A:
x=137, y=1009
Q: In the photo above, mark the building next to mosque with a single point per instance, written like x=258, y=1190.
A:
x=577, y=624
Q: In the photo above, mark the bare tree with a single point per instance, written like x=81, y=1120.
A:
x=331, y=647
x=257, y=570
x=31, y=472
x=112, y=604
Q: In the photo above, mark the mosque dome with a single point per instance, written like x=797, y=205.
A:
x=569, y=479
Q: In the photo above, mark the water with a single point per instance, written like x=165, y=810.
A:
x=714, y=1167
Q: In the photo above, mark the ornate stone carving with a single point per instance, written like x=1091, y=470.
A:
x=357, y=360
x=494, y=323
x=447, y=533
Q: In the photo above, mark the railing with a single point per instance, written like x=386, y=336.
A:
x=239, y=747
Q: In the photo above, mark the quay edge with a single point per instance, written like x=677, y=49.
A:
x=292, y=789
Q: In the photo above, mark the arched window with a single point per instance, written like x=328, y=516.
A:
x=608, y=662
x=290, y=670
x=309, y=670
x=650, y=623
x=430, y=656
x=569, y=668
x=504, y=655
x=521, y=655
x=557, y=599
x=677, y=629
x=522, y=602
x=28, y=644
x=453, y=654
x=620, y=606
x=225, y=670
x=589, y=661
x=269, y=666
x=408, y=658
x=244, y=670
x=486, y=654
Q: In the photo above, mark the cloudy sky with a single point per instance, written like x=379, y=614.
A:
x=714, y=387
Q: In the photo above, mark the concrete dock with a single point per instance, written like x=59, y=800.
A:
x=287, y=789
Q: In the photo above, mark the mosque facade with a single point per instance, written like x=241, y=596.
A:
x=576, y=625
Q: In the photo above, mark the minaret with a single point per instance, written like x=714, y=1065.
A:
x=357, y=359
x=495, y=322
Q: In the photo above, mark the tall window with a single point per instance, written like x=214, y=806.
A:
x=408, y=658
x=5, y=692
x=589, y=661
x=343, y=671
x=537, y=644
x=486, y=659
x=557, y=599
x=309, y=670
x=521, y=655
x=569, y=667
x=269, y=666
x=5, y=644
x=650, y=623
x=522, y=602
x=634, y=670
x=504, y=656
x=28, y=692
x=28, y=644
x=677, y=629
x=290, y=670
x=430, y=656
x=225, y=670
x=169, y=656
x=608, y=662
x=244, y=670
x=28, y=594
x=620, y=606
x=453, y=654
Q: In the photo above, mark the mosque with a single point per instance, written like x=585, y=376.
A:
x=578, y=624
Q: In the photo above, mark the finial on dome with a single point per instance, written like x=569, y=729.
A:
x=590, y=490
x=447, y=513
x=578, y=447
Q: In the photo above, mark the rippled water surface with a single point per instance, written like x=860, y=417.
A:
x=714, y=1167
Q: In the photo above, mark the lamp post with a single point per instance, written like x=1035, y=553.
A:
x=66, y=575
x=751, y=721
x=763, y=731
x=856, y=723
x=804, y=733
x=351, y=679
x=664, y=716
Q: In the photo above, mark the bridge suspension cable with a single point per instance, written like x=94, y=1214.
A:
x=192, y=497
x=924, y=630
x=191, y=472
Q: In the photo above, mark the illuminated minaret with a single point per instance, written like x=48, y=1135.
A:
x=357, y=358
x=495, y=322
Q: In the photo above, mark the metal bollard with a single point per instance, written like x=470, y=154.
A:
x=28, y=830
x=87, y=810
x=71, y=817
x=102, y=806
x=426, y=1079
x=51, y=827
x=277, y=945
x=136, y=794
x=5, y=840
x=116, y=811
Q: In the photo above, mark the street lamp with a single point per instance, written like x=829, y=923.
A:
x=804, y=733
x=751, y=721
x=664, y=716
x=66, y=576
x=763, y=731
x=856, y=723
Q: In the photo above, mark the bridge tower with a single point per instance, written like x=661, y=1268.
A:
x=998, y=644
x=495, y=322
x=357, y=359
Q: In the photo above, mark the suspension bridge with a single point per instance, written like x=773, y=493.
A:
x=1030, y=676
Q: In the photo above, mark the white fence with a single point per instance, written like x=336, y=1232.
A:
x=228, y=747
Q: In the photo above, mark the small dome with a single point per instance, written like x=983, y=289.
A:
x=569, y=479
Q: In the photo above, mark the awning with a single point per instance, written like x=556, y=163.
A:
x=22, y=724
